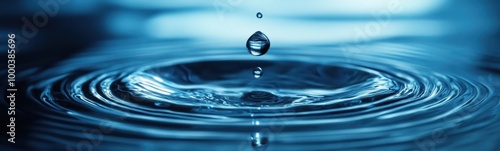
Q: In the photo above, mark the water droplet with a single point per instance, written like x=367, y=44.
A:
x=257, y=72
x=258, y=44
x=259, y=15
x=259, y=141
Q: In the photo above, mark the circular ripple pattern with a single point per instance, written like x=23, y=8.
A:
x=302, y=101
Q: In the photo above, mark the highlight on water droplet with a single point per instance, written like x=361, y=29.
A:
x=257, y=72
x=259, y=15
x=258, y=44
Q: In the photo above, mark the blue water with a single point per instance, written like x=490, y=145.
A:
x=171, y=98
x=184, y=80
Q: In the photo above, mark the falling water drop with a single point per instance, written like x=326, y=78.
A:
x=259, y=141
x=258, y=44
x=257, y=72
x=259, y=15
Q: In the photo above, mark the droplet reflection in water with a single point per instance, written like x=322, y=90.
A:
x=259, y=15
x=259, y=141
x=257, y=72
x=258, y=44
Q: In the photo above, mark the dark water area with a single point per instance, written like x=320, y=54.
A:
x=338, y=75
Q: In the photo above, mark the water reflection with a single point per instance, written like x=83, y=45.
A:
x=170, y=75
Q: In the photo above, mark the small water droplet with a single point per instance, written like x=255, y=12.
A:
x=258, y=44
x=259, y=15
x=257, y=72
x=259, y=141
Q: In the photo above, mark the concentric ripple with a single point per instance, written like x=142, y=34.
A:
x=320, y=102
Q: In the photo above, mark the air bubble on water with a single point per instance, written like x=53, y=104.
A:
x=257, y=72
x=258, y=44
x=259, y=15
x=259, y=141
